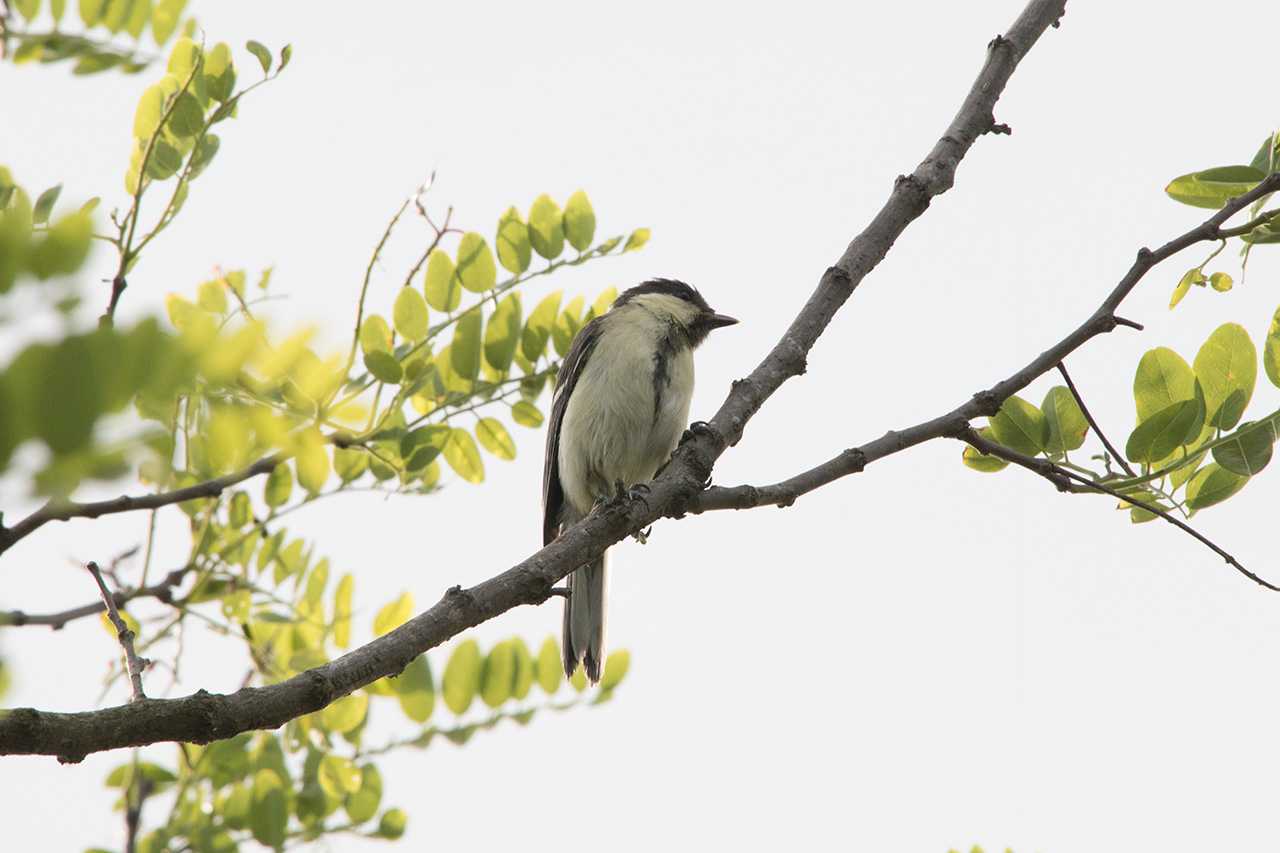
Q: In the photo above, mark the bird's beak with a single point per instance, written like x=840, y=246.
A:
x=716, y=321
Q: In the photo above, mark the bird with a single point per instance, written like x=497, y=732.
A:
x=618, y=411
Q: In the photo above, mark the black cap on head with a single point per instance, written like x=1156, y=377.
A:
x=707, y=320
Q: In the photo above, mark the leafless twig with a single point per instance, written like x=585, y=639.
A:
x=123, y=633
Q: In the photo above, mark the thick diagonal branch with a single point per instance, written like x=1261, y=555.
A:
x=204, y=717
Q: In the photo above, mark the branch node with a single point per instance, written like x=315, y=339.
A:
x=1123, y=321
x=1000, y=128
x=1144, y=255
x=987, y=402
x=998, y=41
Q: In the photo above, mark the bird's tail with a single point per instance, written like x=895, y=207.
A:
x=584, y=618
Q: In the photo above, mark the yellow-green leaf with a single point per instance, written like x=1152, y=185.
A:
x=526, y=414
x=344, y=714
x=637, y=239
x=549, y=669
x=375, y=334
x=983, y=462
x=279, y=486
x=1220, y=282
x=384, y=367
x=416, y=690
x=1271, y=350
x=1211, y=485
x=1212, y=188
x=1067, y=423
x=476, y=269
x=410, y=314
x=462, y=677
x=533, y=341
x=363, y=804
x=514, y=250
x=1227, y=369
x=440, y=285
x=615, y=669
x=268, y=814
x=342, y=611
x=463, y=457
x=393, y=615
x=495, y=438
x=146, y=119
x=312, y=461
x=1162, y=379
x=464, y=349
x=1020, y=426
x=498, y=675
x=546, y=227
x=579, y=221
x=502, y=334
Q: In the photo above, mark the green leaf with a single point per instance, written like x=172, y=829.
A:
x=495, y=438
x=1213, y=188
x=392, y=824
x=146, y=119
x=549, y=669
x=240, y=511
x=342, y=611
x=524, y=669
x=393, y=615
x=421, y=446
x=1220, y=282
x=260, y=51
x=375, y=334
x=344, y=714
x=349, y=463
x=1211, y=485
x=1227, y=369
x=502, y=335
x=1067, y=424
x=546, y=227
x=462, y=677
x=533, y=341
x=464, y=349
x=1192, y=276
x=1163, y=378
x=416, y=690
x=440, y=285
x=187, y=118
x=164, y=19
x=636, y=240
x=579, y=679
x=269, y=813
x=363, y=804
x=1165, y=431
x=384, y=367
x=1248, y=449
x=498, y=674
x=279, y=486
x=339, y=776
x=1020, y=426
x=526, y=414
x=567, y=326
x=44, y=205
x=27, y=8
x=979, y=461
x=139, y=15
x=1268, y=157
x=410, y=314
x=1271, y=350
x=463, y=457
x=476, y=269
x=579, y=221
x=313, y=463
x=512, y=242
x=615, y=669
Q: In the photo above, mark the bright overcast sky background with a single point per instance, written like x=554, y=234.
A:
x=916, y=658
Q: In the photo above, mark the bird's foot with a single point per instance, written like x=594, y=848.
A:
x=642, y=536
x=698, y=428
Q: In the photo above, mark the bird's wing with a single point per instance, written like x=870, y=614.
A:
x=570, y=369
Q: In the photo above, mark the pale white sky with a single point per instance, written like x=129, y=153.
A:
x=916, y=658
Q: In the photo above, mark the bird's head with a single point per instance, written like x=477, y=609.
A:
x=678, y=303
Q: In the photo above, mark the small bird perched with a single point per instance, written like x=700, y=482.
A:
x=621, y=404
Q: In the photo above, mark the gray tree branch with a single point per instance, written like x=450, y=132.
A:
x=124, y=634
x=955, y=423
x=162, y=591
x=204, y=717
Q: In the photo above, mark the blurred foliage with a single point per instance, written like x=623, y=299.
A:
x=437, y=372
x=1191, y=444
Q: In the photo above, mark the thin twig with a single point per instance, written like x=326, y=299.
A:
x=1088, y=416
x=66, y=510
x=162, y=591
x=123, y=633
x=1059, y=476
